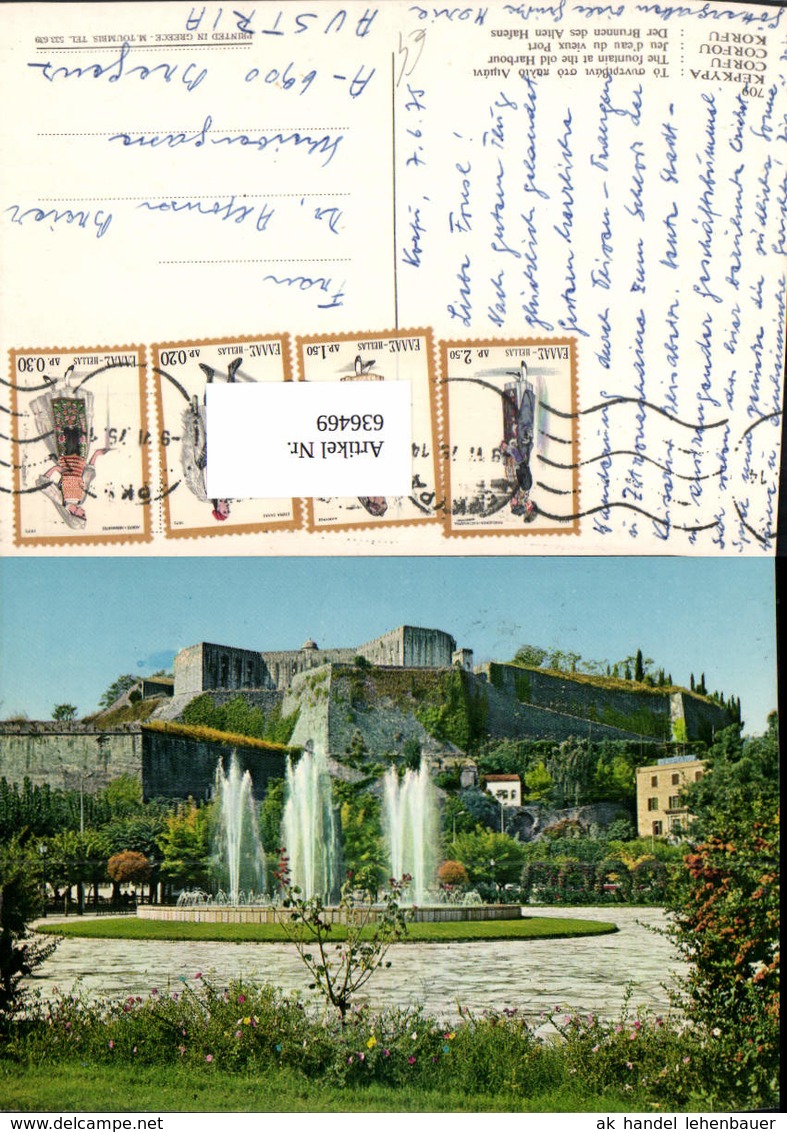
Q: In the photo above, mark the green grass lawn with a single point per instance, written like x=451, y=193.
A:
x=147, y=1089
x=128, y=927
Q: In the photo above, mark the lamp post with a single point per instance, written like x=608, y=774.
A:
x=82, y=778
x=492, y=866
x=42, y=850
x=456, y=815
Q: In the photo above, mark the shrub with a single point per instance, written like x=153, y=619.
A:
x=452, y=873
x=20, y=954
x=129, y=867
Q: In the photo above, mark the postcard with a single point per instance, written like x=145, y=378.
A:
x=603, y=185
x=568, y=766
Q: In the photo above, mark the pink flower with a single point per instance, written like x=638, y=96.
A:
x=111, y=1044
x=241, y=998
x=686, y=1060
x=198, y=975
x=154, y=990
x=237, y=1033
x=209, y=1057
x=386, y=1053
x=181, y=1050
x=411, y=1059
x=629, y=1065
x=632, y=1035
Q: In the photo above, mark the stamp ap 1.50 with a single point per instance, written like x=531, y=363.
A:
x=402, y=355
x=509, y=437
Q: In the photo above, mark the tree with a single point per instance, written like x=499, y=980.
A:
x=116, y=689
x=411, y=753
x=725, y=909
x=453, y=874
x=20, y=901
x=64, y=713
x=361, y=836
x=539, y=783
x=123, y=796
x=480, y=808
x=490, y=858
x=129, y=867
x=185, y=846
x=639, y=668
x=530, y=656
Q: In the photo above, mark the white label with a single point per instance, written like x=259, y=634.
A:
x=269, y=441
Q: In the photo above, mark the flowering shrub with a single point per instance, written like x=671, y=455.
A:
x=340, y=970
x=726, y=923
x=664, y=1063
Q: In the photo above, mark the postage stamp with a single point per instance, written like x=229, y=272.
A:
x=182, y=371
x=79, y=445
x=402, y=355
x=509, y=437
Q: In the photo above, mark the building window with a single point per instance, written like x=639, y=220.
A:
x=697, y=775
x=653, y=803
x=656, y=829
x=654, y=780
x=675, y=779
x=674, y=802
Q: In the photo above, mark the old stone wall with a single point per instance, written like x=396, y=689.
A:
x=205, y=667
x=70, y=756
x=509, y=717
x=188, y=671
x=637, y=712
x=702, y=719
x=179, y=766
x=281, y=668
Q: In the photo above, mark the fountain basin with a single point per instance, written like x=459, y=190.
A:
x=251, y=914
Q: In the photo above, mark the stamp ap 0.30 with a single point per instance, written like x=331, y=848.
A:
x=182, y=372
x=509, y=437
x=79, y=446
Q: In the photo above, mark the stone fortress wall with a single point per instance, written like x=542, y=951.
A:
x=206, y=667
x=78, y=756
x=649, y=712
x=70, y=756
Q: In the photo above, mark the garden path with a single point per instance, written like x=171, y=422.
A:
x=589, y=974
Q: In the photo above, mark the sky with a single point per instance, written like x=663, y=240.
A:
x=69, y=627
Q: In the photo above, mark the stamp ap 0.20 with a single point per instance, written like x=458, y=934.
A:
x=182, y=372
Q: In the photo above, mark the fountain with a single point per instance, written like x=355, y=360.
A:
x=410, y=824
x=309, y=828
x=239, y=850
x=311, y=839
